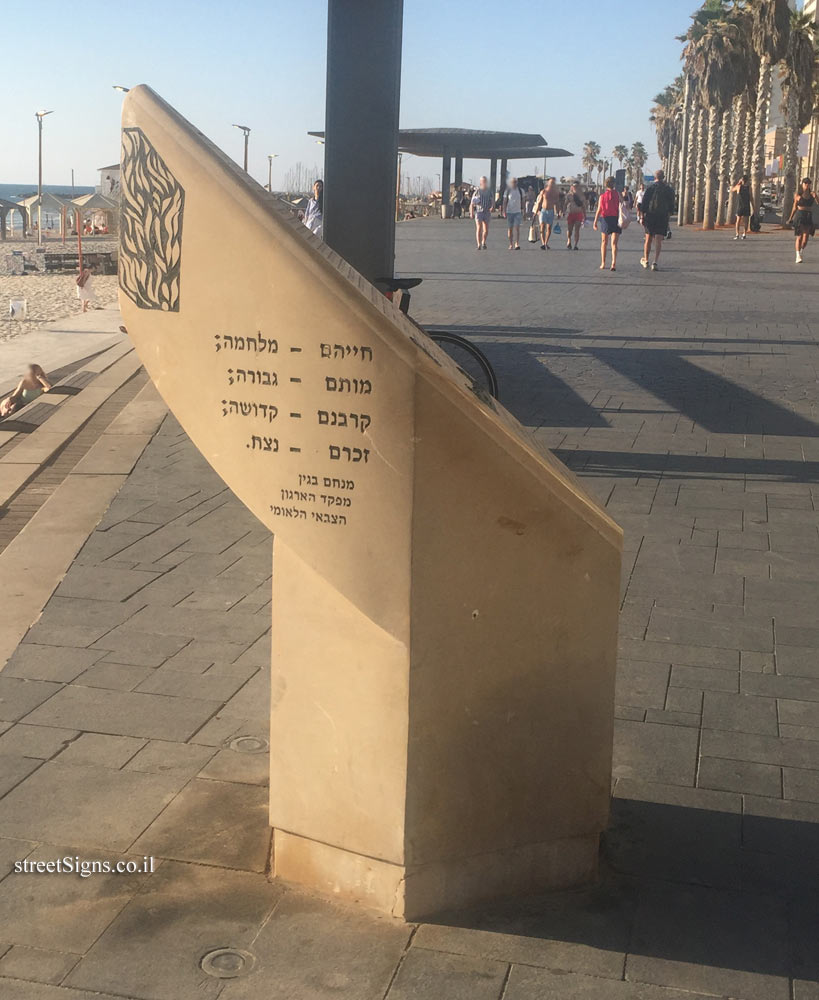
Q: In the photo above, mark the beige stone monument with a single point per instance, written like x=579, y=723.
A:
x=444, y=592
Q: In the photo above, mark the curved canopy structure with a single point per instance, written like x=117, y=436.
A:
x=469, y=144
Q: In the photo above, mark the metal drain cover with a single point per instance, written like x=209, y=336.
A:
x=249, y=744
x=227, y=963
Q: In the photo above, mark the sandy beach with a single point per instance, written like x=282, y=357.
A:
x=49, y=296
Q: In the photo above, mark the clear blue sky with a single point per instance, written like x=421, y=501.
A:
x=570, y=71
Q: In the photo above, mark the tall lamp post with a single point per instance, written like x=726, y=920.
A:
x=39, y=115
x=246, y=130
x=270, y=158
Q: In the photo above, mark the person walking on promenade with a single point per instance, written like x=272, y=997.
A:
x=480, y=208
x=804, y=202
x=313, y=216
x=657, y=206
x=546, y=205
x=513, y=211
x=529, y=203
x=745, y=208
x=638, y=201
x=607, y=218
x=575, y=215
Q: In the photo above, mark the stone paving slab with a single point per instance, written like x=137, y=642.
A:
x=186, y=911
x=686, y=401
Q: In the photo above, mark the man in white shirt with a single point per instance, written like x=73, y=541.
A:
x=638, y=201
x=513, y=210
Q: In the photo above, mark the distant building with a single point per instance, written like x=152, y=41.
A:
x=109, y=181
x=774, y=150
x=808, y=163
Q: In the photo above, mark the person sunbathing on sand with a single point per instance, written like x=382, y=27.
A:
x=31, y=385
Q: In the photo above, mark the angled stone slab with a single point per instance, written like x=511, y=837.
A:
x=143, y=415
x=444, y=592
x=43, y=442
x=13, y=477
x=112, y=455
x=37, y=559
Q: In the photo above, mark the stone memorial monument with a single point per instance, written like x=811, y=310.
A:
x=444, y=593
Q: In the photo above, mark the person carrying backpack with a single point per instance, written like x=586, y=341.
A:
x=657, y=206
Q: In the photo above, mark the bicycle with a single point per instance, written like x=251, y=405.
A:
x=469, y=359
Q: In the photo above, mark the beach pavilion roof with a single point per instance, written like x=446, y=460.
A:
x=5, y=208
x=95, y=202
x=51, y=202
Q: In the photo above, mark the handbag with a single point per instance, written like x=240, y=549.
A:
x=534, y=235
x=556, y=228
x=623, y=216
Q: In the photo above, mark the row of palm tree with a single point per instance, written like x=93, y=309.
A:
x=712, y=120
x=633, y=160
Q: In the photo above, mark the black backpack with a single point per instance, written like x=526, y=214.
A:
x=657, y=201
x=756, y=225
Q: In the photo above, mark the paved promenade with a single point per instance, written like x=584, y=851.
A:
x=135, y=711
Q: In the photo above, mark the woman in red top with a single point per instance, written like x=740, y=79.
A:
x=608, y=215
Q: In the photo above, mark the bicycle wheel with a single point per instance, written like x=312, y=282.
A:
x=472, y=361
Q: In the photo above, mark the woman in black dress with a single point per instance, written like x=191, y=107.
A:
x=742, y=189
x=803, y=203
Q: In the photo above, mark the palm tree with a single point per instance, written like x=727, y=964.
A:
x=798, y=74
x=700, y=137
x=620, y=153
x=591, y=152
x=639, y=156
x=689, y=197
x=718, y=68
x=684, y=186
x=663, y=118
x=742, y=125
x=771, y=28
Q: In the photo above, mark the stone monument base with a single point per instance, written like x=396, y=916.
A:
x=411, y=893
x=444, y=593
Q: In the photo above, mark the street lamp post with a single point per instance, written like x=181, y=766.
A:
x=270, y=158
x=246, y=130
x=39, y=115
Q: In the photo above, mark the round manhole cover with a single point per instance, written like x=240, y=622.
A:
x=249, y=744
x=227, y=963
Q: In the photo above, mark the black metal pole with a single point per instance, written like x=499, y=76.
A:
x=361, y=132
